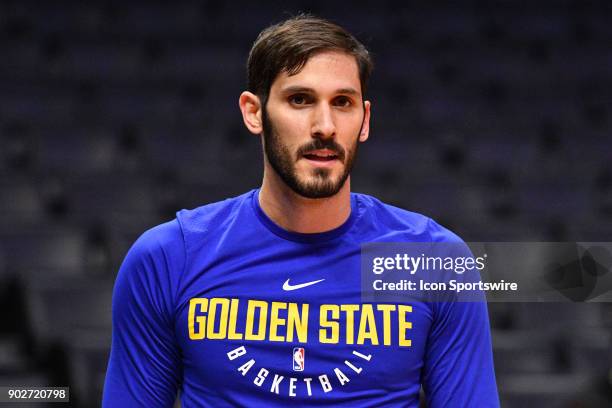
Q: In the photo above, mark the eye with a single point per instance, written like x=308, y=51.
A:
x=299, y=99
x=343, y=101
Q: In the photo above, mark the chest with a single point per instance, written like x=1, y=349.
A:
x=293, y=324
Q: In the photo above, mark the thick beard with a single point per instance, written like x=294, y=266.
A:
x=283, y=163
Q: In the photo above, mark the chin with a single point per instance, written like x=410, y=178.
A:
x=316, y=188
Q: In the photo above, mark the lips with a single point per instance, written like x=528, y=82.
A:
x=322, y=155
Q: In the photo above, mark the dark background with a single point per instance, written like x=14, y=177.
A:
x=492, y=117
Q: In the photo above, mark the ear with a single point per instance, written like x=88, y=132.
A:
x=365, y=128
x=250, y=106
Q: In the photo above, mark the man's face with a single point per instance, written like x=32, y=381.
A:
x=313, y=122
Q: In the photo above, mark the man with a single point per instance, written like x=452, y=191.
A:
x=256, y=300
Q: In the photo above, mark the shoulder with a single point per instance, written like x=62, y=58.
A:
x=412, y=224
x=170, y=241
x=160, y=239
x=151, y=269
x=211, y=216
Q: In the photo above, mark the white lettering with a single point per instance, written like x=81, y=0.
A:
x=292, y=381
x=261, y=377
x=246, y=367
x=275, y=383
x=307, y=381
x=327, y=387
x=341, y=377
x=352, y=367
x=234, y=354
x=358, y=354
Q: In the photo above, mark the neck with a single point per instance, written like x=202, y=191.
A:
x=295, y=213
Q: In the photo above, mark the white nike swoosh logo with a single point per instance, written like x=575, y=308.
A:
x=287, y=286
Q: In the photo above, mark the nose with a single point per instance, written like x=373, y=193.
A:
x=323, y=125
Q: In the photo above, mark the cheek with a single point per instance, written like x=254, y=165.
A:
x=352, y=126
x=290, y=128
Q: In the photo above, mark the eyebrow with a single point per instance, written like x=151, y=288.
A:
x=296, y=89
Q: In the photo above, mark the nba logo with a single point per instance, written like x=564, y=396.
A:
x=298, y=359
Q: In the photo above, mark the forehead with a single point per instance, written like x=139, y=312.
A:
x=324, y=72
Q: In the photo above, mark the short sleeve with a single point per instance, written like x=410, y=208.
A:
x=144, y=368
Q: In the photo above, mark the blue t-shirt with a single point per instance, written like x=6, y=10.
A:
x=230, y=309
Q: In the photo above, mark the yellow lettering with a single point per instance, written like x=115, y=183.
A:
x=334, y=327
x=297, y=321
x=350, y=321
x=263, y=314
x=386, y=309
x=404, y=325
x=231, y=333
x=367, y=326
x=212, y=314
x=217, y=318
x=276, y=321
x=200, y=320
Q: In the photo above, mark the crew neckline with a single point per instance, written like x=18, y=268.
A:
x=315, y=237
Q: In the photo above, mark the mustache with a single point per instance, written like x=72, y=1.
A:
x=318, y=144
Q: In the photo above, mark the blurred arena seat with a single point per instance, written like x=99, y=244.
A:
x=58, y=305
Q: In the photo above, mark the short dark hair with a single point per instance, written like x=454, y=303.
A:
x=288, y=45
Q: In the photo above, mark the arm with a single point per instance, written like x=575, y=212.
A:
x=144, y=368
x=459, y=361
x=458, y=369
